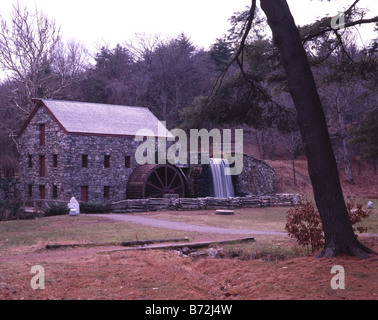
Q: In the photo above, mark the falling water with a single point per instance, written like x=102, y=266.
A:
x=222, y=182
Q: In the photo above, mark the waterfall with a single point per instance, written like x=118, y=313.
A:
x=222, y=182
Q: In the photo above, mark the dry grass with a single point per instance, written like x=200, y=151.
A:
x=150, y=275
x=262, y=219
x=20, y=236
x=365, y=183
x=259, y=219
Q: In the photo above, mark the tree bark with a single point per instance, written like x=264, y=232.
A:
x=338, y=231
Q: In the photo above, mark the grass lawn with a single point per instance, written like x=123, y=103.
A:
x=80, y=229
x=18, y=236
x=263, y=219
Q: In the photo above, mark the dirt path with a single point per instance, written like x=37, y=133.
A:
x=181, y=226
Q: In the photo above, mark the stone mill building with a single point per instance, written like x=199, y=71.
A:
x=80, y=149
x=87, y=150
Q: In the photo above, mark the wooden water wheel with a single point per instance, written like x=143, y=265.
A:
x=155, y=180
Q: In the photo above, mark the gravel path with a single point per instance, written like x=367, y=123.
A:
x=180, y=225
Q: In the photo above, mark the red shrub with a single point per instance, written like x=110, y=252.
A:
x=304, y=223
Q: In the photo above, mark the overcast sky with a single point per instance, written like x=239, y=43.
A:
x=116, y=21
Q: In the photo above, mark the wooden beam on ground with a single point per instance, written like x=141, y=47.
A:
x=116, y=243
x=191, y=245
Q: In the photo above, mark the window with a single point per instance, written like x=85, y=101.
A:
x=42, y=192
x=55, y=192
x=106, y=192
x=127, y=162
x=42, y=134
x=107, y=161
x=84, y=193
x=55, y=160
x=42, y=166
x=30, y=191
x=84, y=161
x=30, y=161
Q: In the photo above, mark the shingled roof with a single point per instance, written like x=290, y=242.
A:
x=101, y=119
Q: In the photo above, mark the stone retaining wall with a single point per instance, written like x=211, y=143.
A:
x=257, y=178
x=173, y=203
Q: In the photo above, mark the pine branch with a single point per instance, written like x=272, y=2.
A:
x=329, y=28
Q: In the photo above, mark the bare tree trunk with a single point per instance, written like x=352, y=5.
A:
x=272, y=148
x=346, y=154
x=295, y=178
x=292, y=141
x=339, y=235
x=347, y=163
x=260, y=142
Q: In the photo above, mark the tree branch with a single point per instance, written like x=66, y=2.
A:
x=329, y=28
x=236, y=59
x=220, y=79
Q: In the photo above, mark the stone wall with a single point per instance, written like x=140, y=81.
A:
x=256, y=178
x=175, y=203
x=9, y=188
x=96, y=176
